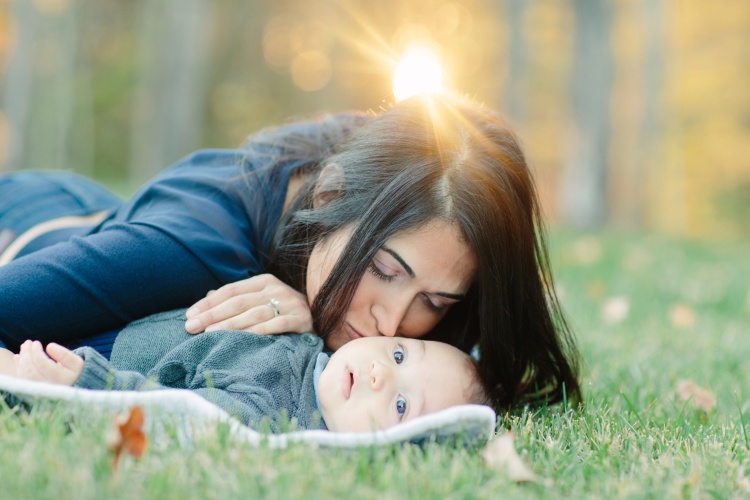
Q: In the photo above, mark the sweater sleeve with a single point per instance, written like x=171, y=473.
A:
x=98, y=374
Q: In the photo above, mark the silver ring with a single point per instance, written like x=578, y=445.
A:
x=274, y=304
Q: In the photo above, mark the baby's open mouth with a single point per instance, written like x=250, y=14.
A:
x=348, y=383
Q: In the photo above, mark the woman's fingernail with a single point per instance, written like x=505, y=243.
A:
x=193, y=325
x=191, y=312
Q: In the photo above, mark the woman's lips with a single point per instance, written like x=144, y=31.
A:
x=353, y=334
x=347, y=383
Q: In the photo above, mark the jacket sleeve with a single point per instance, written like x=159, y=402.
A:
x=93, y=284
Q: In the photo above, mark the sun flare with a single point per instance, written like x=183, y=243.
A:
x=418, y=72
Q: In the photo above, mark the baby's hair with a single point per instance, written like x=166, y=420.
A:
x=477, y=393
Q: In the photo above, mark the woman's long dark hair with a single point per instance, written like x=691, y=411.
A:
x=449, y=159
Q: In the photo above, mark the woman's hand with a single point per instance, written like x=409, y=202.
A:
x=246, y=305
x=58, y=366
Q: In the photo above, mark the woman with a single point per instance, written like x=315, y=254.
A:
x=422, y=221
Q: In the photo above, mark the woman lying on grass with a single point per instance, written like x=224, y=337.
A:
x=369, y=384
x=419, y=222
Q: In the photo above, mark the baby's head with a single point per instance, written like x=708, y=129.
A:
x=373, y=383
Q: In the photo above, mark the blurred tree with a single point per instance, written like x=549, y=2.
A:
x=651, y=128
x=39, y=90
x=173, y=45
x=584, y=182
x=513, y=95
x=15, y=99
x=633, y=112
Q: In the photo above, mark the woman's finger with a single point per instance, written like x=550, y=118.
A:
x=294, y=310
x=214, y=298
x=243, y=320
x=283, y=324
x=233, y=307
x=246, y=310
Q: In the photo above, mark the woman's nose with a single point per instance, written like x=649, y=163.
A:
x=389, y=313
x=378, y=374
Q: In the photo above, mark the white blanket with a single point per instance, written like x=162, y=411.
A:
x=194, y=416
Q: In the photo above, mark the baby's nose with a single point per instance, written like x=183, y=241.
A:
x=377, y=375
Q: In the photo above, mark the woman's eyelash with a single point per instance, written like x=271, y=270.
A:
x=380, y=274
x=434, y=307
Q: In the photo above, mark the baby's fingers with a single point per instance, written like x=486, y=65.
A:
x=26, y=363
x=65, y=357
x=38, y=366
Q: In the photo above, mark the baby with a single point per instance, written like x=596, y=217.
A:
x=371, y=383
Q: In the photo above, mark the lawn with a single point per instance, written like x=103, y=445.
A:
x=649, y=313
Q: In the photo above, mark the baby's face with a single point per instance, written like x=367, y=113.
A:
x=373, y=383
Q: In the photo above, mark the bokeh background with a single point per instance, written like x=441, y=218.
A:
x=635, y=113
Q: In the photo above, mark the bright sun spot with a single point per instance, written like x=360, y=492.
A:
x=418, y=72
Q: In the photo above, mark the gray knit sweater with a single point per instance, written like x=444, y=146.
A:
x=250, y=376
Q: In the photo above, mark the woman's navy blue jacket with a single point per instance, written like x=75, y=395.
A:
x=204, y=222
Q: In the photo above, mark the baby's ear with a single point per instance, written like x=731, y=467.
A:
x=330, y=184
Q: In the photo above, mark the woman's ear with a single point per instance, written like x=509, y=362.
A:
x=330, y=184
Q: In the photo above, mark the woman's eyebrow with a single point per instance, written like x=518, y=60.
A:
x=401, y=261
x=410, y=272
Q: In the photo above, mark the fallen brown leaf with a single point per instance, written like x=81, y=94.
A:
x=698, y=397
x=682, y=316
x=129, y=435
x=500, y=454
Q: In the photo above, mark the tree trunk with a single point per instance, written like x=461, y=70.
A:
x=651, y=125
x=17, y=87
x=513, y=95
x=584, y=182
x=169, y=99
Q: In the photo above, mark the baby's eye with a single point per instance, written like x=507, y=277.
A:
x=399, y=355
x=401, y=406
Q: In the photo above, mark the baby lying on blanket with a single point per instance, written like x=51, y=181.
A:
x=369, y=384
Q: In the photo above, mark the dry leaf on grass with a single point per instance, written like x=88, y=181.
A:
x=129, y=435
x=682, y=316
x=615, y=310
x=700, y=398
x=500, y=454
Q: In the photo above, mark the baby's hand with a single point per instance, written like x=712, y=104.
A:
x=64, y=367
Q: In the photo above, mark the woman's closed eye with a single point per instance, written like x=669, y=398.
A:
x=437, y=308
x=381, y=271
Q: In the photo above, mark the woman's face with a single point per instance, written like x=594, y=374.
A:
x=409, y=286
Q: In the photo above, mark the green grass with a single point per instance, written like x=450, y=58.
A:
x=635, y=437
